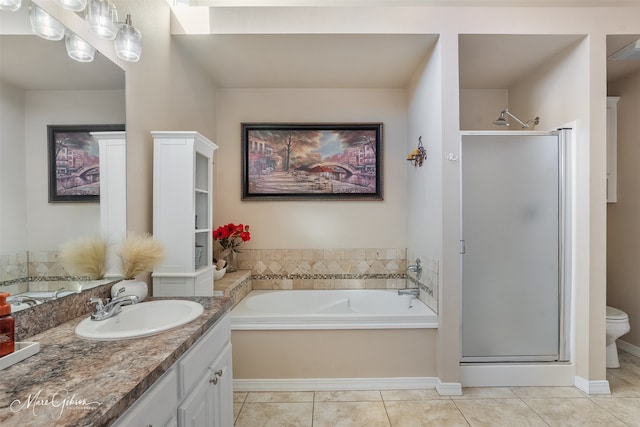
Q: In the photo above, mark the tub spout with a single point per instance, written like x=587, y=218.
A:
x=414, y=292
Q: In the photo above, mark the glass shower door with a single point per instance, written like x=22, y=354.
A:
x=510, y=261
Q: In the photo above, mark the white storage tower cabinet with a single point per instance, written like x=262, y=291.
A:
x=182, y=217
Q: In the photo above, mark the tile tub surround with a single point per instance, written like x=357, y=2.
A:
x=360, y=261
x=377, y=268
x=112, y=374
x=359, y=268
x=31, y=264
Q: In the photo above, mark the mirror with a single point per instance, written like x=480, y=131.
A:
x=39, y=86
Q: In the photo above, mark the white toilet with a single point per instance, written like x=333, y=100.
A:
x=617, y=326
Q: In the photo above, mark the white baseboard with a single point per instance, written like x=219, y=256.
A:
x=592, y=387
x=515, y=375
x=449, y=389
x=310, y=384
x=629, y=348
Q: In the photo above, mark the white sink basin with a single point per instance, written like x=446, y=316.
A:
x=141, y=320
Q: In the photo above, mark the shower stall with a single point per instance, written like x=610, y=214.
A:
x=513, y=214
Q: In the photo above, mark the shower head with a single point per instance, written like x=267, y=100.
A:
x=502, y=120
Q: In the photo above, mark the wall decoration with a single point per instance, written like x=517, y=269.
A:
x=312, y=161
x=74, y=164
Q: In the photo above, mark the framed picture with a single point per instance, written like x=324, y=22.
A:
x=312, y=161
x=74, y=163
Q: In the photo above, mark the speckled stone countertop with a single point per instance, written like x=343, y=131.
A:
x=78, y=382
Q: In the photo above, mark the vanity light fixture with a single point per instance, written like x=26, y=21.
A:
x=128, y=43
x=78, y=49
x=74, y=5
x=44, y=25
x=418, y=155
x=10, y=5
x=103, y=18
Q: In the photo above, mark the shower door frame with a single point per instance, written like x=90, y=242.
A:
x=564, y=251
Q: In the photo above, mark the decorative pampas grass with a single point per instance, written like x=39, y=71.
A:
x=139, y=254
x=85, y=257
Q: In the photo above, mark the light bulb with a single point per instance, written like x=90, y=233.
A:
x=74, y=5
x=102, y=16
x=79, y=49
x=128, y=43
x=10, y=5
x=44, y=25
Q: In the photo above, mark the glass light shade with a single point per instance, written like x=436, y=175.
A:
x=128, y=42
x=79, y=49
x=44, y=25
x=10, y=5
x=74, y=5
x=103, y=17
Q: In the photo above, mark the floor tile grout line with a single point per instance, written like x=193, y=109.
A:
x=536, y=412
x=609, y=412
x=461, y=413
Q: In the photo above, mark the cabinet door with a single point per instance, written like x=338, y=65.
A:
x=197, y=409
x=223, y=389
x=156, y=407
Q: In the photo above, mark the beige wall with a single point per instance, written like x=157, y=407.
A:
x=313, y=224
x=623, y=226
x=13, y=192
x=165, y=91
x=480, y=107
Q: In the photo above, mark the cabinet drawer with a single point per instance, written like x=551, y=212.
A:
x=192, y=367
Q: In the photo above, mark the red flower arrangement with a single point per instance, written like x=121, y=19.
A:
x=231, y=236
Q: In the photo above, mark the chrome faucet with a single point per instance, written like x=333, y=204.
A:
x=416, y=268
x=113, y=307
x=30, y=301
x=414, y=292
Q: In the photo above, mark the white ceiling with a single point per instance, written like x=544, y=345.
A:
x=389, y=60
x=33, y=63
x=499, y=61
x=312, y=61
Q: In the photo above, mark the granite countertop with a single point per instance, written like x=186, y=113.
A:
x=78, y=382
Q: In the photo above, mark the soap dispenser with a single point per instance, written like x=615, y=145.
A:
x=7, y=326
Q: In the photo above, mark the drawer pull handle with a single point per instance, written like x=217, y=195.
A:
x=219, y=372
x=214, y=380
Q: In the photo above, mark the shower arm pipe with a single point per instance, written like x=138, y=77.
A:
x=526, y=124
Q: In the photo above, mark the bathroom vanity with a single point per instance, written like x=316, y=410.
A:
x=179, y=377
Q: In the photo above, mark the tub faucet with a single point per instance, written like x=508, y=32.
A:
x=416, y=268
x=414, y=292
x=113, y=307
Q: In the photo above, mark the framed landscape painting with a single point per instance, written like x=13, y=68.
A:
x=312, y=161
x=74, y=163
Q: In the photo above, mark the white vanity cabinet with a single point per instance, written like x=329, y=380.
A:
x=197, y=391
x=182, y=218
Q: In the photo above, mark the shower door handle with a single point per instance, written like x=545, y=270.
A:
x=463, y=249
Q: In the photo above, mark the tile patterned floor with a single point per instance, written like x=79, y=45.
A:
x=491, y=407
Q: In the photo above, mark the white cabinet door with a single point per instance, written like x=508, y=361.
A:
x=197, y=408
x=223, y=389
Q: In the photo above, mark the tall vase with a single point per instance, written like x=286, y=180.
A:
x=232, y=261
